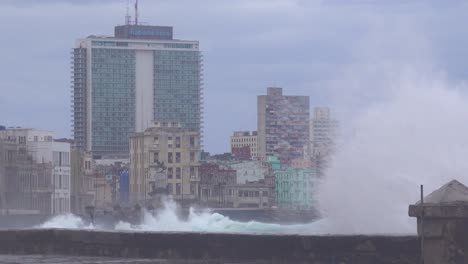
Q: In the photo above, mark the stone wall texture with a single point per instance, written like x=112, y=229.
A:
x=213, y=247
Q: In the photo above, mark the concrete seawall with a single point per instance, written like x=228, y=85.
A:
x=216, y=247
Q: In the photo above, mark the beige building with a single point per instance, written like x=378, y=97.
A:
x=242, y=139
x=323, y=132
x=164, y=156
x=83, y=181
x=42, y=180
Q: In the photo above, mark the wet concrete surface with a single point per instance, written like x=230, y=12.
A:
x=55, y=259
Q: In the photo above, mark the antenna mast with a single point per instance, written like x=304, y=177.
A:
x=128, y=17
x=136, y=12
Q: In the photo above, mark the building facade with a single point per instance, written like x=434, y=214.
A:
x=61, y=196
x=241, y=140
x=294, y=188
x=38, y=177
x=121, y=84
x=164, y=156
x=7, y=149
x=283, y=125
x=323, y=132
x=213, y=182
x=83, y=180
x=248, y=195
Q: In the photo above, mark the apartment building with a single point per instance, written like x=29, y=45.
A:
x=283, y=125
x=165, y=156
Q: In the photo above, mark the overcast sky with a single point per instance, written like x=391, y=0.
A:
x=338, y=52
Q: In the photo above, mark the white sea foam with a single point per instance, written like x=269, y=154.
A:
x=67, y=221
x=167, y=219
x=415, y=134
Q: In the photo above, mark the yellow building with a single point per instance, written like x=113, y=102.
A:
x=164, y=156
x=242, y=139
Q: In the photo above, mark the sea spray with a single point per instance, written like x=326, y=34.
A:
x=67, y=221
x=168, y=219
x=416, y=135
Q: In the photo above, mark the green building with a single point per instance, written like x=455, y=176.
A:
x=294, y=188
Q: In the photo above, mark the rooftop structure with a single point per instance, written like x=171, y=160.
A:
x=164, y=157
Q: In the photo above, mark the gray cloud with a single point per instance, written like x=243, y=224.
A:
x=316, y=48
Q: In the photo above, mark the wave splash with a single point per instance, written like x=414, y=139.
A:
x=67, y=221
x=167, y=219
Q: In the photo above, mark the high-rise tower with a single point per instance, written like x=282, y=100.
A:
x=323, y=132
x=121, y=84
x=282, y=124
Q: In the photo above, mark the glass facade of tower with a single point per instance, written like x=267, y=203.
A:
x=113, y=100
x=177, y=87
x=122, y=84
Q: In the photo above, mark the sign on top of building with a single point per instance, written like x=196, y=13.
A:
x=143, y=32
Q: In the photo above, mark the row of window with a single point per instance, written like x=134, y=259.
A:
x=252, y=146
x=171, y=159
x=178, y=46
x=249, y=139
x=178, y=188
x=178, y=172
x=242, y=193
x=176, y=53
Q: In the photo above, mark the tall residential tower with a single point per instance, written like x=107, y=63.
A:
x=323, y=132
x=121, y=84
x=283, y=125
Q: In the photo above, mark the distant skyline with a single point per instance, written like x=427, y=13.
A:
x=340, y=53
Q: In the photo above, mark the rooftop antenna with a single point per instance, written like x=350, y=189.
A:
x=128, y=17
x=136, y=12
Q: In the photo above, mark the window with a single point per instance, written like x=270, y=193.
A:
x=170, y=173
x=170, y=188
x=155, y=157
x=192, y=156
x=192, y=188
x=177, y=142
x=169, y=157
x=177, y=173
x=177, y=157
x=178, y=189
x=240, y=193
x=169, y=142
x=265, y=193
x=192, y=172
x=192, y=141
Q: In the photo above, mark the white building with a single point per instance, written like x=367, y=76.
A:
x=61, y=177
x=41, y=147
x=323, y=132
x=246, y=170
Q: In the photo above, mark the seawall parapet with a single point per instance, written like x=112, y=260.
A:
x=213, y=246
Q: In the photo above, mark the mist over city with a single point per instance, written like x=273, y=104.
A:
x=314, y=131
